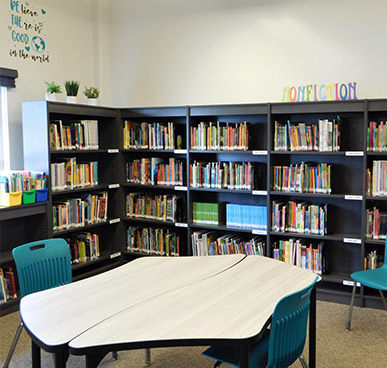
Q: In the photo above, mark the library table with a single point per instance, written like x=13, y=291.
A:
x=54, y=317
x=232, y=305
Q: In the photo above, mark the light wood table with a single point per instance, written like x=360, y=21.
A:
x=231, y=302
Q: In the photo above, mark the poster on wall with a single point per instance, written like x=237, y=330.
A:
x=27, y=37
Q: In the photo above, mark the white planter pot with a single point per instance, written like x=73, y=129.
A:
x=50, y=96
x=71, y=99
x=92, y=101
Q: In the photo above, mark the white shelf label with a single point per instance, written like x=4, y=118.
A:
x=114, y=221
x=181, y=188
x=113, y=186
x=115, y=255
x=354, y=153
x=113, y=150
x=353, y=197
x=259, y=192
x=183, y=151
x=181, y=224
x=259, y=152
x=352, y=240
x=259, y=232
x=350, y=283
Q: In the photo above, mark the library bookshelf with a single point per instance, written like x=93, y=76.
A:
x=205, y=174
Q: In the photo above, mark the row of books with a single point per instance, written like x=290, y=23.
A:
x=84, y=247
x=246, y=216
x=215, y=136
x=373, y=260
x=377, y=137
x=222, y=175
x=153, y=240
x=301, y=254
x=376, y=180
x=207, y=243
x=163, y=207
x=155, y=171
x=149, y=135
x=68, y=174
x=82, y=135
x=299, y=217
x=7, y=285
x=17, y=181
x=204, y=213
x=303, y=178
x=323, y=136
x=376, y=224
x=88, y=208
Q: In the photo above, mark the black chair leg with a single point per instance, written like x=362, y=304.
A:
x=13, y=346
x=383, y=298
x=217, y=364
x=348, y=327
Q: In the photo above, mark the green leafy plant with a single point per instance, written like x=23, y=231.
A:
x=52, y=87
x=72, y=88
x=91, y=92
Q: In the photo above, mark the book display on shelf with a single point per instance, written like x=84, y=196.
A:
x=220, y=136
x=7, y=285
x=154, y=171
x=84, y=247
x=376, y=137
x=376, y=181
x=208, y=243
x=82, y=135
x=301, y=254
x=303, y=178
x=161, y=241
x=246, y=216
x=376, y=224
x=323, y=136
x=154, y=136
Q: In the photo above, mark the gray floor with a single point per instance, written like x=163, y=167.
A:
x=364, y=346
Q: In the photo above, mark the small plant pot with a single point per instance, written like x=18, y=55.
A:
x=92, y=101
x=71, y=99
x=50, y=96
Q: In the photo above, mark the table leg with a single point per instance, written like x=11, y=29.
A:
x=60, y=359
x=244, y=356
x=35, y=352
x=312, y=330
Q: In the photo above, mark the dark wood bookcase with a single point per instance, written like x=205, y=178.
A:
x=345, y=242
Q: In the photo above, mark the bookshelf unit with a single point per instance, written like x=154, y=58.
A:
x=19, y=225
x=37, y=117
x=346, y=243
x=154, y=181
x=235, y=195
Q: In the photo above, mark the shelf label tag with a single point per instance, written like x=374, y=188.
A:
x=259, y=192
x=113, y=150
x=181, y=224
x=259, y=152
x=114, y=221
x=350, y=283
x=258, y=232
x=352, y=240
x=354, y=153
x=112, y=186
x=183, y=151
x=115, y=255
x=181, y=188
x=353, y=197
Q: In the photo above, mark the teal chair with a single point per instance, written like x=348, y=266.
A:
x=280, y=345
x=375, y=279
x=40, y=265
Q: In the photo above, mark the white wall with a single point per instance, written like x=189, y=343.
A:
x=70, y=34
x=178, y=52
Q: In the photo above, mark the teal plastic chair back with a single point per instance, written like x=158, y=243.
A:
x=283, y=343
x=288, y=328
x=42, y=265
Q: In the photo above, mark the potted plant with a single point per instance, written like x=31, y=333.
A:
x=92, y=93
x=72, y=88
x=52, y=90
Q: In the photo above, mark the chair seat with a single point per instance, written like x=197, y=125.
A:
x=376, y=279
x=230, y=355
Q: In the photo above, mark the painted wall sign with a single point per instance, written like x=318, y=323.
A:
x=26, y=32
x=322, y=92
